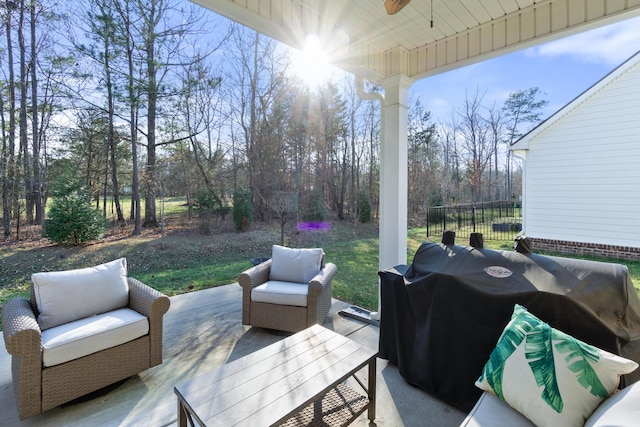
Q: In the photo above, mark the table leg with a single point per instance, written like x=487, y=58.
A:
x=372, y=389
x=182, y=414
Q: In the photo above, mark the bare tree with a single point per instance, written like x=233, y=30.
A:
x=36, y=139
x=24, y=153
x=103, y=31
x=164, y=34
x=9, y=172
x=199, y=115
x=333, y=148
x=495, y=119
x=357, y=131
x=127, y=38
x=475, y=142
x=29, y=105
x=451, y=174
x=371, y=142
x=256, y=72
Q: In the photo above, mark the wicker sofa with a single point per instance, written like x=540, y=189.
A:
x=111, y=329
x=289, y=292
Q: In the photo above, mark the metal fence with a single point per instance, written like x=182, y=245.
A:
x=498, y=220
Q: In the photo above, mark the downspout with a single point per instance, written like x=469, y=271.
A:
x=373, y=96
x=522, y=155
x=368, y=96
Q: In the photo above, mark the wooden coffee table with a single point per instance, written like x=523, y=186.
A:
x=297, y=381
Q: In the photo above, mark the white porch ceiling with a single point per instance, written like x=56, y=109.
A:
x=363, y=39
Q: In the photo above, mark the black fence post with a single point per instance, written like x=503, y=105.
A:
x=473, y=218
x=428, y=209
x=444, y=218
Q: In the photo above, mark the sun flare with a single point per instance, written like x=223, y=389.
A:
x=312, y=64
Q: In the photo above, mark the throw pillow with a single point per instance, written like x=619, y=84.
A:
x=294, y=265
x=65, y=296
x=548, y=376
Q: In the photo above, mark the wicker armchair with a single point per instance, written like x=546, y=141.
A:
x=39, y=388
x=285, y=316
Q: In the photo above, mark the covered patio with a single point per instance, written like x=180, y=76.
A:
x=203, y=330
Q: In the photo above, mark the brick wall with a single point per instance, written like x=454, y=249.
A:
x=577, y=248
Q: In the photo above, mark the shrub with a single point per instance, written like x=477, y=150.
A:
x=242, y=209
x=204, y=202
x=207, y=203
x=314, y=209
x=72, y=220
x=364, y=207
x=435, y=199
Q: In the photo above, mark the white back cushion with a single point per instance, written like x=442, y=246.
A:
x=294, y=265
x=66, y=296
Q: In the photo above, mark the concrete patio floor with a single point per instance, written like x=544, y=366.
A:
x=202, y=331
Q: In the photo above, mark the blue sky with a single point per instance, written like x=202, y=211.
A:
x=562, y=69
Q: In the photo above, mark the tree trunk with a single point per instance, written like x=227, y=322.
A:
x=105, y=185
x=111, y=137
x=24, y=140
x=37, y=184
x=3, y=171
x=253, y=116
x=150, y=219
x=9, y=193
x=125, y=14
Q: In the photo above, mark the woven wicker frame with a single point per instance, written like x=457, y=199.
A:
x=286, y=317
x=38, y=389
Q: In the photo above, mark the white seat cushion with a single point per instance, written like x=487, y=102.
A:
x=282, y=293
x=65, y=296
x=621, y=409
x=92, y=334
x=490, y=411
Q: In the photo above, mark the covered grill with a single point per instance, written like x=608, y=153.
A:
x=442, y=316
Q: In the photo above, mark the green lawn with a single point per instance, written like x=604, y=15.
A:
x=184, y=260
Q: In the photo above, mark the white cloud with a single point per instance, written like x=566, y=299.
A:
x=610, y=45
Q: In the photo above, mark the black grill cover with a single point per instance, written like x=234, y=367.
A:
x=442, y=316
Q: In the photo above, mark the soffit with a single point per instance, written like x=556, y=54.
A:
x=363, y=39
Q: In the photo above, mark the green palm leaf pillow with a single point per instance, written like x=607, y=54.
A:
x=548, y=376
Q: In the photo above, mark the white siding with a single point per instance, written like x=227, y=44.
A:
x=582, y=173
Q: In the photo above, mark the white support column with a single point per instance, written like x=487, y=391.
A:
x=393, y=174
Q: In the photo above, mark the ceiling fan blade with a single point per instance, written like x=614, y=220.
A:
x=394, y=6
